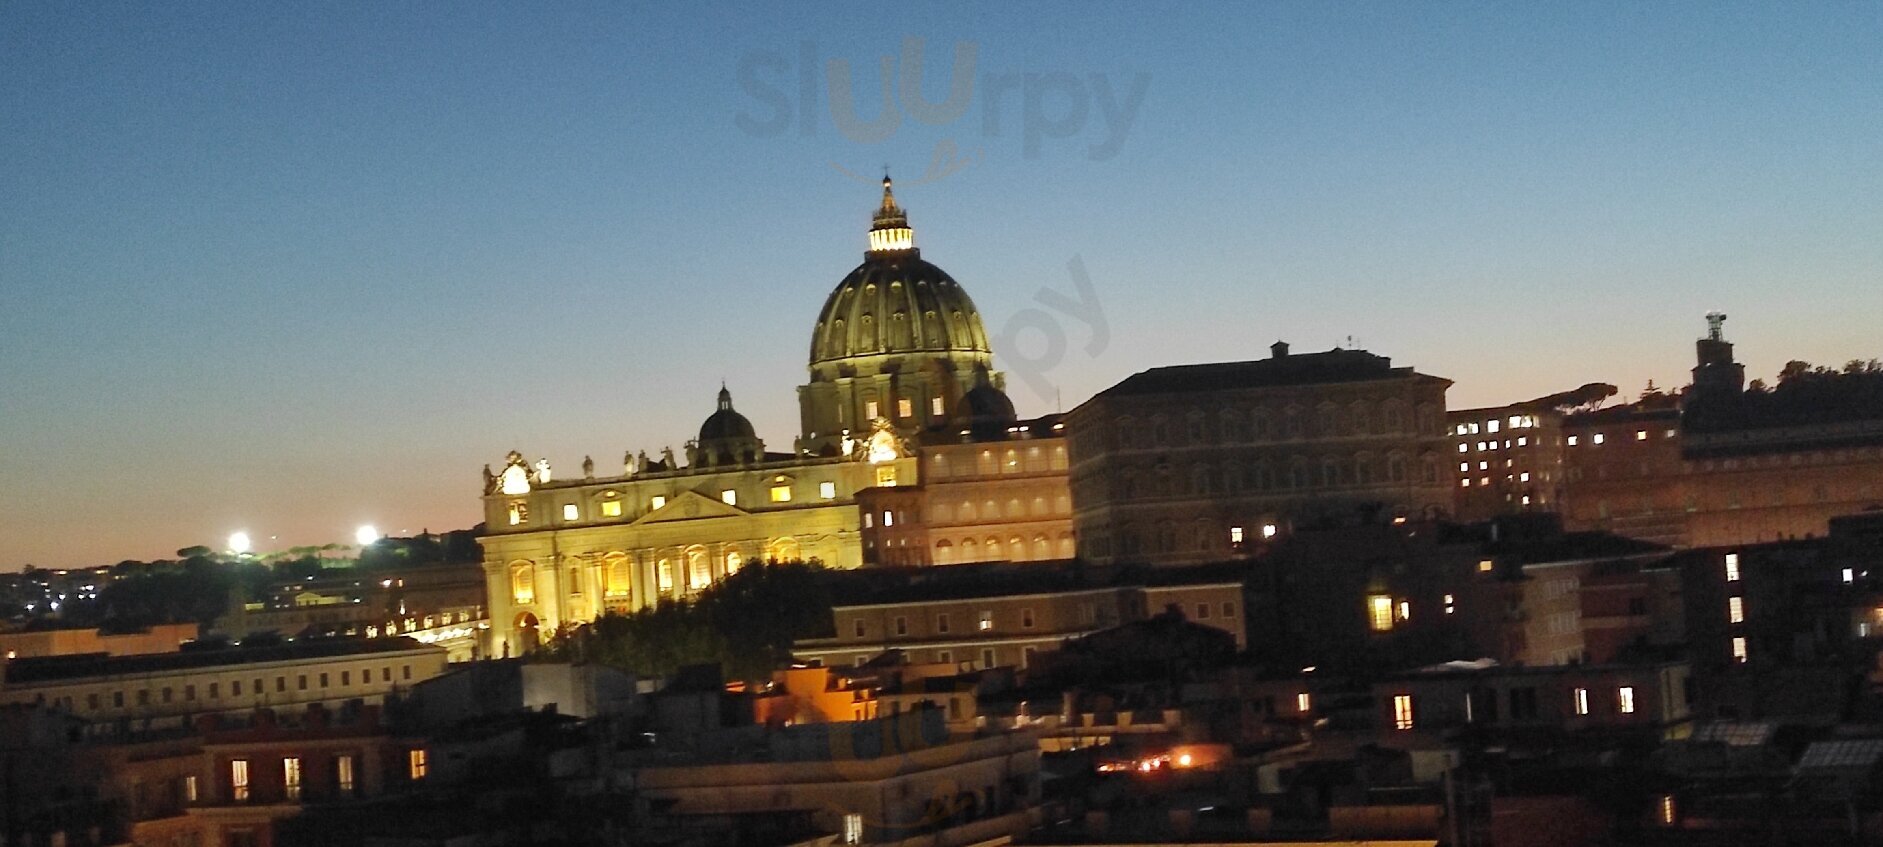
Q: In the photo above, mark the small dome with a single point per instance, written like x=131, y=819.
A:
x=984, y=410
x=726, y=424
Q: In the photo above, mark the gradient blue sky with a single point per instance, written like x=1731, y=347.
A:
x=290, y=269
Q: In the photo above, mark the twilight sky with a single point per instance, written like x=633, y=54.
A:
x=288, y=270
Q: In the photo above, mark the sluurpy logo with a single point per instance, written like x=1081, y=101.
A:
x=1036, y=108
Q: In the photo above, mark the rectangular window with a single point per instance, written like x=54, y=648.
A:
x=405, y=671
x=346, y=678
x=886, y=476
x=869, y=410
x=861, y=628
x=519, y=513
x=1641, y=435
x=1732, y=567
x=1304, y=702
x=941, y=622
x=986, y=621
x=1739, y=648
x=611, y=508
x=987, y=657
x=853, y=829
x=300, y=682
x=1625, y=699
x=1405, y=611
x=1229, y=610
x=729, y=497
x=215, y=690
x=570, y=512
x=1026, y=618
x=781, y=494
x=1572, y=441
x=415, y=763
x=1402, y=711
x=889, y=518
x=1381, y=607
x=1850, y=575
x=946, y=657
x=238, y=780
x=189, y=788
x=1582, y=701
x=343, y=773
x=936, y=407
x=1735, y=610
x=827, y=490
x=905, y=408
x=656, y=502
x=1235, y=535
x=189, y=692
x=323, y=679
x=1202, y=611
x=1596, y=438
x=902, y=625
x=1485, y=565
x=291, y=777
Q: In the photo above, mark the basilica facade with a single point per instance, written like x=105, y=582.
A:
x=898, y=357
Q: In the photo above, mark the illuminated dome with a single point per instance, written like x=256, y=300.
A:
x=896, y=303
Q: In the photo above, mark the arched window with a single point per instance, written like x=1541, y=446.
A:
x=1396, y=468
x=967, y=511
x=1041, y=549
x=733, y=562
x=992, y=549
x=699, y=575
x=663, y=576
x=944, y=553
x=618, y=575
x=1066, y=550
x=784, y=550
x=522, y=582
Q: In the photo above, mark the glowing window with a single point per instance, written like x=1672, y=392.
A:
x=889, y=518
x=1596, y=438
x=1739, y=648
x=611, y=508
x=523, y=584
x=733, y=562
x=1402, y=711
x=343, y=773
x=781, y=494
x=1732, y=567
x=1450, y=605
x=1303, y=702
x=729, y=497
x=853, y=829
x=1582, y=701
x=570, y=512
x=1485, y=565
x=1381, y=607
x=189, y=788
x=519, y=513
x=886, y=476
x=1268, y=530
x=415, y=766
x=291, y=777
x=1464, y=483
x=1641, y=435
x=1625, y=699
x=657, y=502
x=1523, y=441
x=1464, y=448
x=827, y=490
x=1490, y=426
x=1667, y=809
x=1735, y=610
x=905, y=408
x=1235, y=535
x=987, y=621
x=935, y=406
x=238, y=779
x=869, y=410
x=1850, y=575
x=1572, y=441
x=663, y=576
x=1523, y=477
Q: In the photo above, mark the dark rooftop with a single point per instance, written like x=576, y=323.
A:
x=872, y=586
x=1333, y=366
x=54, y=668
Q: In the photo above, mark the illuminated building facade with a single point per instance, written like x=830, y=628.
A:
x=1508, y=459
x=1191, y=463
x=898, y=358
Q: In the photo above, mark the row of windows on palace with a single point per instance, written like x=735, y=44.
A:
x=342, y=778
x=986, y=621
x=1300, y=473
x=1235, y=426
x=610, y=504
x=212, y=692
x=1481, y=704
x=966, y=512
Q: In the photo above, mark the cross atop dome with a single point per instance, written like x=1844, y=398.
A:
x=889, y=230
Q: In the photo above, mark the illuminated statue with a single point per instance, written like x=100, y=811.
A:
x=542, y=471
x=666, y=458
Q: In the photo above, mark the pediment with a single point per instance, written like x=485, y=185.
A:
x=688, y=506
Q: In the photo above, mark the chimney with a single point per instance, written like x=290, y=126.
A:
x=1278, y=350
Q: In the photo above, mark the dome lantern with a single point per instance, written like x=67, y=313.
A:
x=889, y=230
